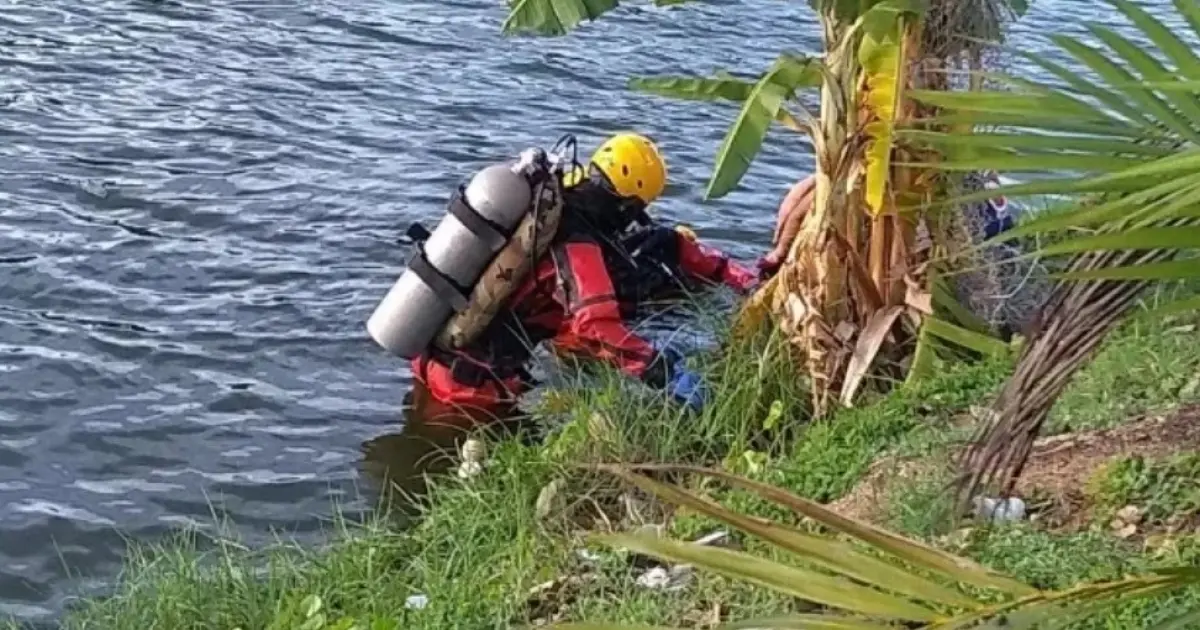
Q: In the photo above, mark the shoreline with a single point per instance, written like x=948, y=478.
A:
x=505, y=549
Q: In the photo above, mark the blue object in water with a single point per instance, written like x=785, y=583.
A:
x=685, y=385
x=688, y=388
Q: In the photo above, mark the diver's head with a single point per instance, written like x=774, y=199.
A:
x=624, y=176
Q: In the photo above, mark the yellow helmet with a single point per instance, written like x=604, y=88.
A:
x=633, y=166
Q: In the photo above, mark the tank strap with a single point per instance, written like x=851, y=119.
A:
x=444, y=287
x=478, y=224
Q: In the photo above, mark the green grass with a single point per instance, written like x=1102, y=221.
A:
x=481, y=545
x=1162, y=487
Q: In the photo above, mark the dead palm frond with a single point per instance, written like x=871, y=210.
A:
x=863, y=577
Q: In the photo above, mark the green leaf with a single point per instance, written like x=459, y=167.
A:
x=774, y=415
x=793, y=581
x=1033, y=611
x=1035, y=119
x=1188, y=112
x=385, y=623
x=1036, y=162
x=881, y=54
x=826, y=553
x=1175, y=49
x=587, y=625
x=944, y=300
x=983, y=344
x=553, y=17
x=1169, y=270
x=695, y=88
x=1140, y=238
x=1034, y=140
x=1053, y=104
x=762, y=106
x=1130, y=180
x=727, y=88
x=1090, y=215
x=906, y=549
x=1114, y=74
x=924, y=360
x=1190, y=12
x=1084, y=85
x=804, y=622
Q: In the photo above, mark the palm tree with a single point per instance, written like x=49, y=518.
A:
x=1125, y=136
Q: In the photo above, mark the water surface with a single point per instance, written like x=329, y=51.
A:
x=200, y=203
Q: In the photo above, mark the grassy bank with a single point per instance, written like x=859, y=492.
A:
x=503, y=549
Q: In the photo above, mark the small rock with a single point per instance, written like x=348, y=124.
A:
x=473, y=450
x=1130, y=514
x=467, y=469
x=1010, y=509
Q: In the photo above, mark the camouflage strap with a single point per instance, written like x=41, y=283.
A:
x=507, y=270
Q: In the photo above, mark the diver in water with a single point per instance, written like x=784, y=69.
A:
x=572, y=295
x=605, y=258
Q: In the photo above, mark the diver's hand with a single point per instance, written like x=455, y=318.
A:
x=684, y=385
x=768, y=266
x=688, y=388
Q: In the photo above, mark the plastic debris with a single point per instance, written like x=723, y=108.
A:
x=999, y=510
x=662, y=578
x=473, y=453
x=416, y=602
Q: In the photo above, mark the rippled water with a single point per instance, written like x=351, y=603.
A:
x=200, y=202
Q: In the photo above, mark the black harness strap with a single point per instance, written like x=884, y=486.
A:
x=445, y=287
x=488, y=231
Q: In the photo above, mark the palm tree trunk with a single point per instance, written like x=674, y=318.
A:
x=1069, y=328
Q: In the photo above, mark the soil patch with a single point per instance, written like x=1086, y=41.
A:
x=1058, y=469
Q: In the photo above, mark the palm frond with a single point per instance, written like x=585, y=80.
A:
x=1124, y=137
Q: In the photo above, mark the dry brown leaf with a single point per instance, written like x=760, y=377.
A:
x=919, y=299
x=869, y=343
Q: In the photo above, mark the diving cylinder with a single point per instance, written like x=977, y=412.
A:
x=420, y=303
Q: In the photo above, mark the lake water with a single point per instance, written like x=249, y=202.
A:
x=200, y=203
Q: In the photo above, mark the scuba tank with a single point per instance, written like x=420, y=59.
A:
x=496, y=226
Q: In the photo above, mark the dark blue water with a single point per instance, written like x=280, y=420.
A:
x=199, y=203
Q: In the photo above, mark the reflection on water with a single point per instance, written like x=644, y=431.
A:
x=428, y=442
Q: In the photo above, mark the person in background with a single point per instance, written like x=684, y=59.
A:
x=572, y=298
x=989, y=218
x=789, y=219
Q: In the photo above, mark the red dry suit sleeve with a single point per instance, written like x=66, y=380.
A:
x=593, y=314
x=708, y=263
